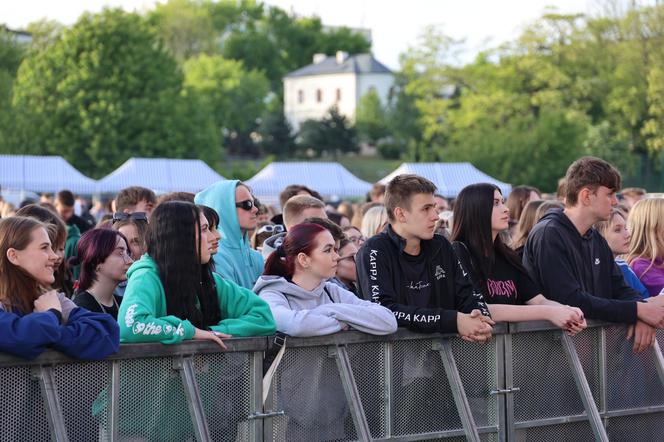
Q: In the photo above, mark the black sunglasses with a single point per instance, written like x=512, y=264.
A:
x=246, y=205
x=136, y=216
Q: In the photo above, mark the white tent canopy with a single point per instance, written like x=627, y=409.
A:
x=43, y=174
x=328, y=179
x=160, y=175
x=450, y=178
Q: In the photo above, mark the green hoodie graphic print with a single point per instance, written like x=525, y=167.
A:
x=143, y=315
x=235, y=260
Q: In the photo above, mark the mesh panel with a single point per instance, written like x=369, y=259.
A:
x=571, y=432
x=308, y=388
x=152, y=402
x=477, y=366
x=22, y=409
x=224, y=384
x=79, y=385
x=543, y=374
x=643, y=428
x=423, y=400
x=368, y=363
x=587, y=348
x=632, y=379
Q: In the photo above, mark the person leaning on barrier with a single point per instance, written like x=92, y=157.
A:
x=415, y=273
x=172, y=294
x=495, y=269
x=574, y=265
x=304, y=303
x=34, y=317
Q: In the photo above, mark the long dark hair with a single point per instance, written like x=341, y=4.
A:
x=472, y=226
x=174, y=242
x=299, y=239
x=94, y=247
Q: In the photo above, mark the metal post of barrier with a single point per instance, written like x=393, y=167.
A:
x=256, y=392
x=388, y=349
x=659, y=360
x=49, y=390
x=499, y=367
x=340, y=355
x=186, y=367
x=584, y=389
x=509, y=384
x=114, y=402
x=470, y=428
x=603, y=385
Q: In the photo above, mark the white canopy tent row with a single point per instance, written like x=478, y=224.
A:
x=161, y=175
x=23, y=175
x=329, y=179
x=450, y=178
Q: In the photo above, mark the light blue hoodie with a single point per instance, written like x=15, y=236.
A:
x=235, y=260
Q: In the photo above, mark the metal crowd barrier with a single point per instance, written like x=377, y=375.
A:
x=531, y=382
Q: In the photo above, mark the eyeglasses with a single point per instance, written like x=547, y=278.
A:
x=269, y=228
x=246, y=205
x=136, y=216
x=357, y=240
x=351, y=257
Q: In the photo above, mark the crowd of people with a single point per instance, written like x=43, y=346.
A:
x=219, y=264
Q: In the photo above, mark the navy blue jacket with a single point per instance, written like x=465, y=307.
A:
x=84, y=335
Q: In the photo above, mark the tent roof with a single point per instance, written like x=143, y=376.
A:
x=450, y=178
x=161, y=175
x=329, y=179
x=43, y=174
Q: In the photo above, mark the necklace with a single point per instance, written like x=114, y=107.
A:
x=115, y=303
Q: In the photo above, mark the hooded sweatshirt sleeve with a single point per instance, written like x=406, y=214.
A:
x=365, y=316
x=374, y=270
x=244, y=313
x=88, y=335
x=545, y=258
x=302, y=323
x=27, y=336
x=142, y=316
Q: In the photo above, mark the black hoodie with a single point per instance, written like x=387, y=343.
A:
x=382, y=266
x=578, y=270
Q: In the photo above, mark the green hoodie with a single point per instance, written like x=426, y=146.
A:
x=143, y=318
x=235, y=260
x=71, y=247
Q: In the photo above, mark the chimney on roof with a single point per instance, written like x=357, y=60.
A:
x=319, y=58
x=341, y=56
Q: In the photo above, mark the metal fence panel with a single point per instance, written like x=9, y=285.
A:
x=22, y=408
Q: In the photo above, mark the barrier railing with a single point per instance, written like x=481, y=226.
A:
x=531, y=382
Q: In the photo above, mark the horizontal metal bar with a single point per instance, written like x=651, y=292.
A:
x=551, y=421
x=266, y=415
x=434, y=435
x=535, y=326
x=634, y=411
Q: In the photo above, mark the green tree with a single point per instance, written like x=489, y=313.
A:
x=331, y=135
x=235, y=96
x=107, y=91
x=371, y=119
x=11, y=54
x=276, y=133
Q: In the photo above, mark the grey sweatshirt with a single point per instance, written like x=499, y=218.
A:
x=299, y=312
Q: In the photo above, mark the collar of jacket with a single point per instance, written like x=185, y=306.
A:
x=428, y=246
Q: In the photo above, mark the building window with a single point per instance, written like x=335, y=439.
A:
x=319, y=95
x=300, y=96
x=338, y=95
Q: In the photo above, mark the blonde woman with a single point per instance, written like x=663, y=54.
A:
x=646, y=248
x=374, y=221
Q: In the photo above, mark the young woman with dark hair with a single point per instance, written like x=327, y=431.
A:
x=33, y=316
x=303, y=302
x=172, y=294
x=495, y=270
x=213, y=219
x=57, y=232
x=104, y=258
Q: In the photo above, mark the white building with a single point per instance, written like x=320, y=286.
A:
x=311, y=91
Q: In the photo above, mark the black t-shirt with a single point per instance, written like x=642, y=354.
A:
x=508, y=285
x=417, y=285
x=87, y=301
